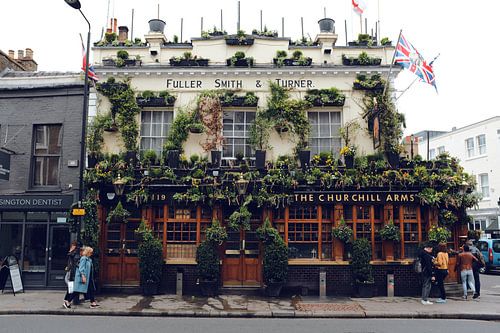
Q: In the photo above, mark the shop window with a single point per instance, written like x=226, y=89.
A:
x=325, y=132
x=181, y=240
x=303, y=213
x=410, y=231
x=46, y=154
x=35, y=245
x=12, y=217
x=303, y=240
x=11, y=236
x=155, y=126
x=326, y=232
x=236, y=129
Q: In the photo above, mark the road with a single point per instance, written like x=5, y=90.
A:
x=74, y=324
x=490, y=283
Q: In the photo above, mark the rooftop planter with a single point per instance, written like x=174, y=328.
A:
x=122, y=60
x=363, y=40
x=265, y=33
x=229, y=99
x=213, y=33
x=239, y=60
x=239, y=39
x=362, y=60
x=188, y=61
x=151, y=99
x=297, y=59
x=325, y=97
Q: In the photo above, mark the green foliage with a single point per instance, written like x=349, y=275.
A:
x=91, y=231
x=118, y=214
x=149, y=158
x=250, y=99
x=179, y=131
x=122, y=54
x=297, y=54
x=95, y=138
x=439, y=234
x=281, y=54
x=208, y=261
x=239, y=55
x=325, y=96
x=110, y=37
x=288, y=113
x=361, y=256
x=390, y=232
x=385, y=41
x=240, y=219
x=187, y=55
x=150, y=254
x=342, y=232
x=275, y=263
x=260, y=132
x=125, y=107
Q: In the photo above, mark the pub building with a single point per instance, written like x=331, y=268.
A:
x=40, y=126
x=179, y=200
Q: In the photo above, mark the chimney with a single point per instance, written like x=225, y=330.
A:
x=12, y=54
x=122, y=34
x=20, y=54
x=29, y=54
x=115, y=24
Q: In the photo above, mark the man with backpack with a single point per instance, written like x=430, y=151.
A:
x=476, y=266
x=427, y=269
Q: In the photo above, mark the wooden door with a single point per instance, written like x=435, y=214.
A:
x=241, y=262
x=120, y=263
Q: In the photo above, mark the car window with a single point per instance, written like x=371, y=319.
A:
x=496, y=246
x=482, y=246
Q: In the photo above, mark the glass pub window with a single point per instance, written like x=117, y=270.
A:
x=236, y=133
x=410, y=231
x=303, y=232
x=325, y=132
x=154, y=129
x=46, y=154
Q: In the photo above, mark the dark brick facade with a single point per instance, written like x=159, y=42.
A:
x=305, y=278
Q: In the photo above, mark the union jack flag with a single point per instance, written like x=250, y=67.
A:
x=92, y=74
x=408, y=57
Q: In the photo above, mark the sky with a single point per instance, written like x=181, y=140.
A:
x=460, y=31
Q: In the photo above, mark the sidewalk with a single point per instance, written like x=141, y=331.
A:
x=50, y=302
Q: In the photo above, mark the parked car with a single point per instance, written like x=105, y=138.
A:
x=490, y=248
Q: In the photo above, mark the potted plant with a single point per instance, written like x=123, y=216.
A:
x=362, y=269
x=187, y=60
x=259, y=139
x=438, y=234
x=149, y=159
x=150, y=255
x=348, y=152
x=389, y=234
x=239, y=39
x=239, y=60
x=348, y=132
x=385, y=41
x=326, y=25
x=207, y=259
x=275, y=263
x=118, y=214
x=173, y=154
x=156, y=25
x=343, y=235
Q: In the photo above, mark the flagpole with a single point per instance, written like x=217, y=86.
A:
x=392, y=62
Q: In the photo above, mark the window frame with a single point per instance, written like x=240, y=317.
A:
x=162, y=125
x=315, y=149
x=481, y=148
x=482, y=186
x=470, y=149
x=34, y=155
x=246, y=132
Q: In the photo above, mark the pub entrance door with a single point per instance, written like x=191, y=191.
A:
x=242, y=262
x=120, y=264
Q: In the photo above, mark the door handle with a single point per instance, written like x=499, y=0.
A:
x=243, y=244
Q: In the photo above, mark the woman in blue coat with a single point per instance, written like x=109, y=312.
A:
x=84, y=280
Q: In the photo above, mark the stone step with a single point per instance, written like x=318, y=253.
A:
x=242, y=290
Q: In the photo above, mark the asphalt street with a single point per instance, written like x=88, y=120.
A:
x=74, y=324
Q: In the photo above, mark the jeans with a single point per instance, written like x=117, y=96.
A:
x=68, y=296
x=441, y=274
x=426, y=287
x=477, y=282
x=467, y=277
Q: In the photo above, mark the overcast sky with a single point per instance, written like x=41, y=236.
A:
x=461, y=31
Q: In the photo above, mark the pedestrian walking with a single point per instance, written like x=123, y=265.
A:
x=84, y=277
x=426, y=259
x=464, y=265
x=476, y=266
x=441, y=270
x=73, y=257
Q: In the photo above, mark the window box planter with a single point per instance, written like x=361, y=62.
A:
x=189, y=62
x=108, y=62
x=241, y=62
x=293, y=62
x=132, y=62
x=319, y=102
x=359, y=86
x=155, y=101
x=238, y=101
x=355, y=62
x=238, y=41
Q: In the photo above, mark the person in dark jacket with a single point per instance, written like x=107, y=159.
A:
x=426, y=259
x=71, y=266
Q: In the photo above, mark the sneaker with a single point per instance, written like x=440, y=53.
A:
x=464, y=298
x=67, y=305
x=93, y=306
x=440, y=300
x=475, y=296
x=425, y=302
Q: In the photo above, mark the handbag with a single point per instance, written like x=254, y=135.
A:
x=70, y=287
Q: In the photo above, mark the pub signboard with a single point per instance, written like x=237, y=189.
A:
x=35, y=202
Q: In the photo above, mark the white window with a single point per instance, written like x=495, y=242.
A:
x=484, y=185
x=477, y=224
x=481, y=144
x=154, y=129
x=440, y=150
x=236, y=132
x=469, y=145
x=325, y=132
x=432, y=154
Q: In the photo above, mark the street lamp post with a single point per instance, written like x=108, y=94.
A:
x=76, y=5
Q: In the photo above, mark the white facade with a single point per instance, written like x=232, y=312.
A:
x=478, y=148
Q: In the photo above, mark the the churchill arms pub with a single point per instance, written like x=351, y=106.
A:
x=231, y=132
